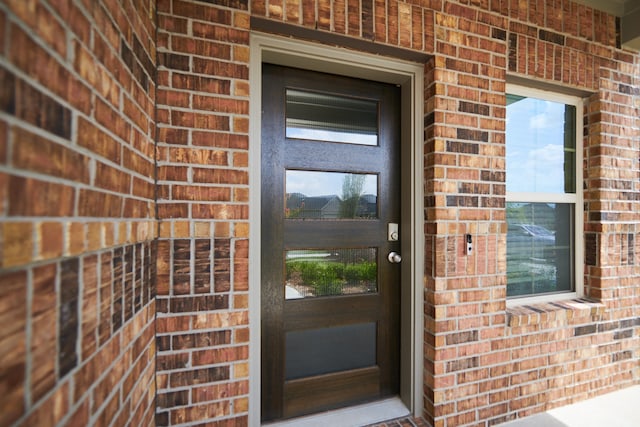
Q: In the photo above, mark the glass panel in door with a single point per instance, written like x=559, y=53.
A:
x=330, y=117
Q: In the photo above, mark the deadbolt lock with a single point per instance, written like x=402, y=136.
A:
x=392, y=232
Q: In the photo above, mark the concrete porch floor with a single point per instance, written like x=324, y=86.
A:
x=616, y=409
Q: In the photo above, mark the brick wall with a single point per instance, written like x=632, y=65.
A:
x=77, y=209
x=203, y=194
x=487, y=364
x=88, y=122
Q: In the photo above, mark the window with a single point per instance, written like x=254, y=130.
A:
x=544, y=193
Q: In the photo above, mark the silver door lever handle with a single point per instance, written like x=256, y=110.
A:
x=394, y=257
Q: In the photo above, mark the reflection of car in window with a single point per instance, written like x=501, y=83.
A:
x=530, y=241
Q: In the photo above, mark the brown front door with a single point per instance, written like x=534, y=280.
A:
x=330, y=280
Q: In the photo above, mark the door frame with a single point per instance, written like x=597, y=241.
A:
x=409, y=76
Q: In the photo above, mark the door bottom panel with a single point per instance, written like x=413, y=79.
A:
x=331, y=391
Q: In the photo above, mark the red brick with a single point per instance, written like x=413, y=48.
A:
x=201, y=47
x=4, y=190
x=37, y=154
x=222, y=105
x=32, y=197
x=209, y=411
x=49, y=240
x=91, y=137
x=97, y=204
x=3, y=24
x=139, y=164
x=201, y=12
x=111, y=119
x=43, y=336
x=13, y=313
x=37, y=62
x=220, y=176
x=112, y=179
x=219, y=139
x=208, y=193
x=3, y=140
x=199, y=156
x=135, y=114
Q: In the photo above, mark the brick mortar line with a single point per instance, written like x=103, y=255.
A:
x=28, y=340
x=192, y=55
x=205, y=167
x=460, y=86
x=198, y=129
x=192, y=367
x=203, y=202
x=81, y=220
x=202, y=147
x=172, y=108
x=189, y=388
x=230, y=116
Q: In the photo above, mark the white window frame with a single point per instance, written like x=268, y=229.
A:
x=575, y=199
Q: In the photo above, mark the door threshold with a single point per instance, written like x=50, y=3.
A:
x=353, y=416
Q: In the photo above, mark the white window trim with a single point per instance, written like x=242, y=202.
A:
x=577, y=199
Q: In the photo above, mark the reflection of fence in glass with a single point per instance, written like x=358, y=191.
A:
x=538, y=248
x=316, y=273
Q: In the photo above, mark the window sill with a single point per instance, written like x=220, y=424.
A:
x=576, y=310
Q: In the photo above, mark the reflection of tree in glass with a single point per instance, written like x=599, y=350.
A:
x=352, y=187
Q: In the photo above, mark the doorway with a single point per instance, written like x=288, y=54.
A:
x=408, y=75
x=330, y=263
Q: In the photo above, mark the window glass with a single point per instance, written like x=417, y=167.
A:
x=542, y=199
x=327, y=117
x=540, y=145
x=330, y=195
x=539, y=256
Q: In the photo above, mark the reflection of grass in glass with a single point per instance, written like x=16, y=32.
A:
x=329, y=278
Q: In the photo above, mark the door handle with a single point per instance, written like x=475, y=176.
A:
x=394, y=257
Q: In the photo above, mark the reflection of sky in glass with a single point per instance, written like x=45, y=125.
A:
x=535, y=146
x=324, y=183
x=332, y=136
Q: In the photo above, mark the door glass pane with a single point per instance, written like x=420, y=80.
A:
x=330, y=195
x=542, y=146
x=321, y=351
x=320, y=273
x=539, y=258
x=325, y=117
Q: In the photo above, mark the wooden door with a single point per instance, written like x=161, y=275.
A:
x=330, y=198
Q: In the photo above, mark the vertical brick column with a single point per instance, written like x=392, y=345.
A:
x=612, y=169
x=203, y=107
x=77, y=211
x=465, y=194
